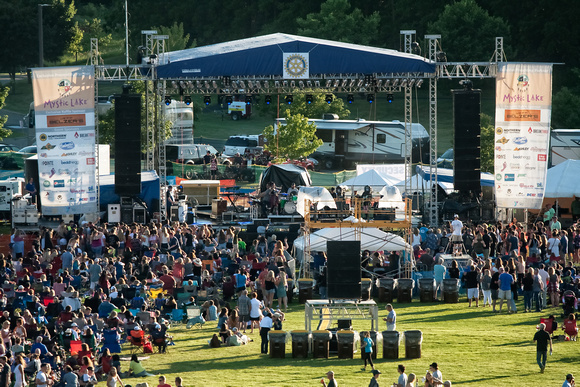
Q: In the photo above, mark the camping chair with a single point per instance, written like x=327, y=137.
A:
x=182, y=298
x=144, y=317
x=177, y=316
x=551, y=325
x=137, y=340
x=153, y=292
x=194, y=317
x=112, y=340
x=75, y=347
x=569, y=327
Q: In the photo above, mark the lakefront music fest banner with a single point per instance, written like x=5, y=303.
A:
x=64, y=105
x=522, y=133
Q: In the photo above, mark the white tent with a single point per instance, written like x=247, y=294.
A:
x=391, y=198
x=372, y=239
x=376, y=180
x=419, y=185
x=317, y=195
x=562, y=180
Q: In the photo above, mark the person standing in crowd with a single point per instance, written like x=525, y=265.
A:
x=402, y=381
x=505, y=281
x=391, y=318
x=265, y=326
x=456, y=236
x=439, y=274
x=472, y=285
x=31, y=189
x=542, y=338
x=375, y=379
x=367, y=348
x=331, y=380
x=569, y=382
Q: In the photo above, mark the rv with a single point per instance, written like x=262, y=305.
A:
x=350, y=142
x=181, y=117
x=564, y=145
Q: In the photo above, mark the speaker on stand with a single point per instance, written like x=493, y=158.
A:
x=467, y=139
x=343, y=270
x=128, y=144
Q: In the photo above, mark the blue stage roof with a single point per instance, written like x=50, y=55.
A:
x=263, y=56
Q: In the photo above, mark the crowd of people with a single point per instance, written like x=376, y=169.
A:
x=81, y=283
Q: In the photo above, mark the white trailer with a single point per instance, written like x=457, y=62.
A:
x=564, y=145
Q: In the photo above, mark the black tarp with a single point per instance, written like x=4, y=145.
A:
x=284, y=175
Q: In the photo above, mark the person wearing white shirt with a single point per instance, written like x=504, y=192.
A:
x=265, y=326
x=456, y=237
x=543, y=274
x=391, y=318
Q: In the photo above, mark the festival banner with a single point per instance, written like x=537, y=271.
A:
x=295, y=65
x=522, y=133
x=64, y=103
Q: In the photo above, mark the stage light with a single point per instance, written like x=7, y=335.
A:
x=207, y=100
x=416, y=48
x=167, y=100
x=370, y=98
x=328, y=98
x=389, y=98
x=229, y=99
x=309, y=99
x=441, y=57
x=248, y=99
x=187, y=100
x=419, y=83
x=350, y=98
x=268, y=99
x=289, y=99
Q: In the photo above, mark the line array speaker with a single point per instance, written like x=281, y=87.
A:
x=343, y=270
x=467, y=140
x=128, y=144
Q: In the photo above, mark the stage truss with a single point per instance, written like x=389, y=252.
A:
x=265, y=85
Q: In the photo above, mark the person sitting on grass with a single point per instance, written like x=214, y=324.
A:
x=113, y=379
x=225, y=333
x=136, y=368
x=163, y=382
x=570, y=328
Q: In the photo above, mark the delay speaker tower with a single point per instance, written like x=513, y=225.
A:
x=343, y=269
x=128, y=144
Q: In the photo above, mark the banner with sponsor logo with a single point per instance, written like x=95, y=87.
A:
x=522, y=133
x=65, y=137
x=295, y=65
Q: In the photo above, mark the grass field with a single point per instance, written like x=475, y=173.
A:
x=473, y=347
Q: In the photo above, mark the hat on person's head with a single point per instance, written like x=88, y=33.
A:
x=434, y=365
x=330, y=373
x=234, y=329
x=137, y=328
x=456, y=216
x=74, y=324
x=376, y=372
x=20, y=287
x=68, y=331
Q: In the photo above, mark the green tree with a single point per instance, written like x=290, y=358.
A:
x=94, y=28
x=338, y=21
x=487, y=143
x=566, y=109
x=75, y=45
x=178, y=39
x=295, y=139
x=314, y=110
x=468, y=31
x=4, y=90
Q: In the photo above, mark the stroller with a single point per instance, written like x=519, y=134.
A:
x=570, y=303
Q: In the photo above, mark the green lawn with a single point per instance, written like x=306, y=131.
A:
x=472, y=346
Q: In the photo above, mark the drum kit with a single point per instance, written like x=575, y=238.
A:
x=288, y=203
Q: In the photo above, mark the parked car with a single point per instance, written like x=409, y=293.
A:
x=8, y=148
x=304, y=162
x=189, y=153
x=29, y=149
x=241, y=144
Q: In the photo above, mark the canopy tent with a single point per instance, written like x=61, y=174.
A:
x=418, y=184
x=317, y=195
x=372, y=239
x=446, y=175
x=375, y=180
x=284, y=175
x=391, y=198
x=562, y=182
x=264, y=56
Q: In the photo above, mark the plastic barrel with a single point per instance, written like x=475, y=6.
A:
x=321, y=344
x=451, y=290
x=300, y=343
x=346, y=344
x=277, y=344
x=427, y=289
x=386, y=289
x=413, y=341
x=391, y=341
x=405, y=290
x=305, y=286
x=365, y=288
x=377, y=338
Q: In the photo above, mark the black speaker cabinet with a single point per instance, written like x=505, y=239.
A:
x=467, y=140
x=343, y=270
x=128, y=144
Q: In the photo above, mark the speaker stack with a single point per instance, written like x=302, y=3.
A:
x=128, y=144
x=343, y=270
x=467, y=140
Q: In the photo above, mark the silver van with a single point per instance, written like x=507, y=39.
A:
x=188, y=153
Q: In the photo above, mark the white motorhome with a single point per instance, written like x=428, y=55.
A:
x=181, y=117
x=350, y=142
x=564, y=145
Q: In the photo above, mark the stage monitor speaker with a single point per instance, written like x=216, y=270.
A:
x=343, y=269
x=128, y=144
x=467, y=140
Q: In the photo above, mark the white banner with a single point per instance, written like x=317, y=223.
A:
x=295, y=65
x=65, y=138
x=522, y=133
x=394, y=170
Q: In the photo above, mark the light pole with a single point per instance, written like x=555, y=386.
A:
x=41, y=36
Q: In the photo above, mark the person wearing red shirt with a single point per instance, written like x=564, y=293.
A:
x=168, y=281
x=163, y=382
